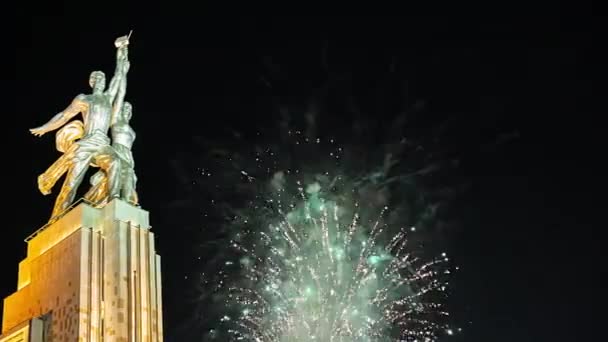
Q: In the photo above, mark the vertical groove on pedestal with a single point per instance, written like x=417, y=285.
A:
x=96, y=285
x=137, y=286
x=143, y=285
x=102, y=280
x=123, y=282
x=132, y=281
x=152, y=283
x=91, y=286
x=130, y=303
x=83, y=331
x=159, y=301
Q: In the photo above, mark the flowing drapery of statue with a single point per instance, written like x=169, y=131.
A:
x=86, y=143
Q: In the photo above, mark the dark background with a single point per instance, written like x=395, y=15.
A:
x=523, y=100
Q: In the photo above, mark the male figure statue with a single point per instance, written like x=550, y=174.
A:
x=94, y=147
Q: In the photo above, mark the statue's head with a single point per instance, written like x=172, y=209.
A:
x=127, y=111
x=97, y=81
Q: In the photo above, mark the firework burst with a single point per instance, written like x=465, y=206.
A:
x=323, y=272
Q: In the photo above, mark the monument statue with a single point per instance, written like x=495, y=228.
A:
x=93, y=274
x=123, y=137
x=94, y=147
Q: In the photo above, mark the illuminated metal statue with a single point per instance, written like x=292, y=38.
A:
x=94, y=147
x=123, y=137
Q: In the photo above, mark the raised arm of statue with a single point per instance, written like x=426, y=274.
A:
x=122, y=62
x=78, y=105
x=120, y=96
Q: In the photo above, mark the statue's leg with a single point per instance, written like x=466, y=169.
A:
x=72, y=181
x=111, y=165
x=128, y=188
x=113, y=182
x=47, y=180
x=99, y=188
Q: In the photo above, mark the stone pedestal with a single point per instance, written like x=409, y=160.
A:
x=92, y=275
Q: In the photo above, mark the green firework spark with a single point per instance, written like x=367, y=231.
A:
x=320, y=271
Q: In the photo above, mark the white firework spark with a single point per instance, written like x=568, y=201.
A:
x=323, y=273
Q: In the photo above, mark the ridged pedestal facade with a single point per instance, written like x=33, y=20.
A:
x=92, y=275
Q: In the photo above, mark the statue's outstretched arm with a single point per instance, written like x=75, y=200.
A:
x=78, y=105
x=120, y=72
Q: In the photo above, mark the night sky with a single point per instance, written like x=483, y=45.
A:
x=520, y=103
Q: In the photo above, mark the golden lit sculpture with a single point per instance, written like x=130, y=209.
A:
x=94, y=147
x=123, y=137
x=64, y=141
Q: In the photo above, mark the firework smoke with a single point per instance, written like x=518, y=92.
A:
x=308, y=219
x=237, y=183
